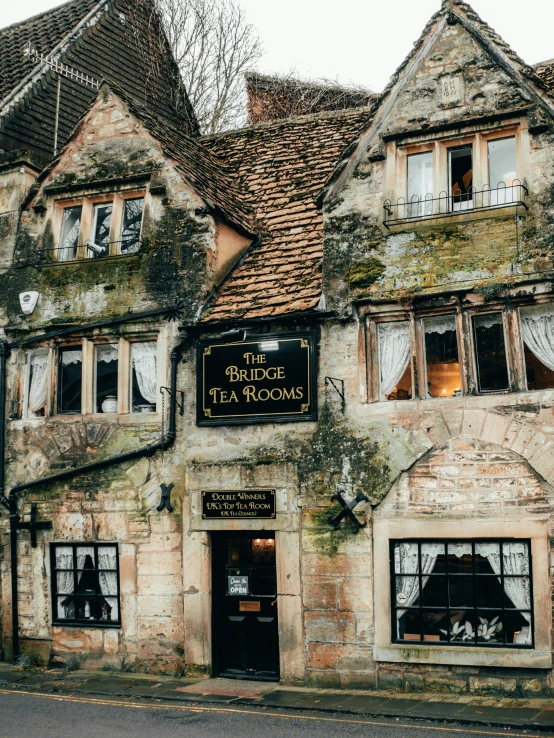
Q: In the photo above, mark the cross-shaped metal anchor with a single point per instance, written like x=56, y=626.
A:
x=166, y=498
x=348, y=510
x=33, y=525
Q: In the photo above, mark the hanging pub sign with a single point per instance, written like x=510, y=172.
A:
x=263, y=379
x=243, y=503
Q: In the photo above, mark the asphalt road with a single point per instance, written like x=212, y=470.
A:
x=57, y=716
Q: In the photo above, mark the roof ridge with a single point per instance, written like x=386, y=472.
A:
x=41, y=68
x=298, y=119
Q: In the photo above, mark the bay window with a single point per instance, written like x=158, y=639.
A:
x=437, y=177
x=462, y=593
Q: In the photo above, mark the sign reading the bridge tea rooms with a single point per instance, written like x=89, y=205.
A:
x=263, y=379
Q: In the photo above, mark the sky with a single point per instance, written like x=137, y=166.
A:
x=359, y=42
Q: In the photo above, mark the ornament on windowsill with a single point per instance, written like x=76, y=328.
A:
x=110, y=404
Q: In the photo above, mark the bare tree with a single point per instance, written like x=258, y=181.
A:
x=214, y=45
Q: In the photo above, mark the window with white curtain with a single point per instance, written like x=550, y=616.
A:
x=144, y=376
x=420, y=184
x=537, y=331
x=462, y=593
x=395, y=381
x=107, y=372
x=85, y=584
x=37, y=379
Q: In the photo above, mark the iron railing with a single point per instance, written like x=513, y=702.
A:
x=59, y=255
x=430, y=207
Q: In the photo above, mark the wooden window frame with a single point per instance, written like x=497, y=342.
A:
x=88, y=386
x=466, y=349
x=53, y=584
x=446, y=576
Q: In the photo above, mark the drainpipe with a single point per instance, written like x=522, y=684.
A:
x=3, y=358
x=11, y=501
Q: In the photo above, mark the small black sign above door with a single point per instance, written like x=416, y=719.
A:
x=264, y=379
x=250, y=503
x=238, y=586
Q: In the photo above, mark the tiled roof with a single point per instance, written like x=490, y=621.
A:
x=209, y=176
x=200, y=168
x=43, y=32
x=281, y=166
x=545, y=70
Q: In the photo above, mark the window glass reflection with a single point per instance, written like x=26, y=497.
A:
x=502, y=170
x=490, y=349
x=420, y=184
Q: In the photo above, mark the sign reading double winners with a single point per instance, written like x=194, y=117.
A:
x=264, y=379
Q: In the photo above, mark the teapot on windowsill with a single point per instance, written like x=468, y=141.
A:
x=110, y=404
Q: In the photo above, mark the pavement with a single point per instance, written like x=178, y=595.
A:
x=532, y=713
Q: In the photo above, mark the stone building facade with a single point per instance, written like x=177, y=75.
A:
x=399, y=258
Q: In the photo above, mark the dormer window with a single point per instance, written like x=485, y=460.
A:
x=94, y=227
x=454, y=175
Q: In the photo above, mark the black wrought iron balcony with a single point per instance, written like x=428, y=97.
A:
x=446, y=204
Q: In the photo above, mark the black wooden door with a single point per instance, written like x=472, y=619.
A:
x=245, y=634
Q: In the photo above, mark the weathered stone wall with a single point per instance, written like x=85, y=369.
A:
x=176, y=259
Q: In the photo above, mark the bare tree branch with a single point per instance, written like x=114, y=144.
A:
x=214, y=45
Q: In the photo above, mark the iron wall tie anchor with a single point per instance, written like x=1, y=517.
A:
x=33, y=525
x=348, y=510
x=165, y=501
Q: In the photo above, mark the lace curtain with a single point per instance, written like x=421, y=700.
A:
x=72, y=357
x=515, y=560
x=107, y=559
x=144, y=364
x=106, y=352
x=38, y=381
x=394, y=354
x=537, y=328
x=440, y=325
x=407, y=588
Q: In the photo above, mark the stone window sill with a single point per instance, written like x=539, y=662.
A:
x=514, y=658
